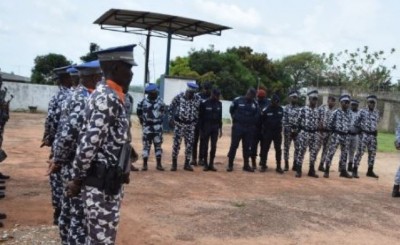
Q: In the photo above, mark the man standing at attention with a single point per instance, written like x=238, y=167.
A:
x=151, y=113
x=289, y=116
x=184, y=114
x=102, y=160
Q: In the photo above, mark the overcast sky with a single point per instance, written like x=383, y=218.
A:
x=37, y=27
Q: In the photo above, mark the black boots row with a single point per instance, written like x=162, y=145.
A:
x=159, y=165
x=3, y=179
x=396, y=191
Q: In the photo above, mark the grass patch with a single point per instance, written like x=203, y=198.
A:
x=385, y=142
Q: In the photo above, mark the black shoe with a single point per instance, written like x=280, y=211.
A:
x=2, y=187
x=3, y=216
x=2, y=176
x=2, y=181
x=294, y=168
x=396, y=192
x=263, y=168
x=205, y=168
x=229, y=169
x=371, y=173
x=311, y=173
x=159, y=165
x=1, y=225
x=247, y=168
x=350, y=167
x=56, y=215
x=2, y=195
x=194, y=163
x=173, y=168
x=298, y=174
x=326, y=174
x=345, y=174
x=144, y=168
x=286, y=166
x=355, y=173
x=211, y=168
x=279, y=170
x=188, y=167
x=321, y=168
x=201, y=162
x=174, y=164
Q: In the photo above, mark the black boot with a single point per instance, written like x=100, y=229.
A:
x=211, y=165
x=3, y=216
x=144, y=168
x=396, y=192
x=230, y=165
x=204, y=164
x=371, y=173
x=286, y=166
x=246, y=166
x=355, y=172
x=350, y=167
x=2, y=176
x=294, y=167
x=298, y=172
x=193, y=162
x=174, y=164
x=159, y=165
x=321, y=167
x=278, y=169
x=345, y=174
x=311, y=172
x=187, y=166
x=2, y=187
x=326, y=174
x=263, y=167
x=253, y=163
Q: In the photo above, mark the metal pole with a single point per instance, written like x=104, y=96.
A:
x=146, y=67
x=168, y=53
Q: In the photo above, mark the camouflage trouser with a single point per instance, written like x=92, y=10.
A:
x=335, y=140
x=102, y=215
x=369, y=142
x=187, y=132
x=1, y=133
x=304, y=140
x=353, y=144
x=56, y=185
x=72, y=219
x=149, y=139
x=323, y=141
x=397, y=177
x=287, y=140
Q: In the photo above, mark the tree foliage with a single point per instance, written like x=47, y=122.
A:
x=93, y=47
x=42, y=71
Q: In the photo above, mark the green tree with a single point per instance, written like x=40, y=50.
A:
x=93, y=47
x=42, y=71
x=359, y=70
x=303, y=69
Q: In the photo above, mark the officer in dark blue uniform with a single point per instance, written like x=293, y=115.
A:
x=210, y=124
x=271, y=118
x=204, y=95
x=245, y=115
x=263, y=102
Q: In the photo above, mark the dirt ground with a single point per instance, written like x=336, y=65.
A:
x=205, y=207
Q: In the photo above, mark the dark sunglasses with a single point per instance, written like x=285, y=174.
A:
x=346, y=102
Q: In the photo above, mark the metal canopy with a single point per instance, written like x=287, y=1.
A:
x=160, y=25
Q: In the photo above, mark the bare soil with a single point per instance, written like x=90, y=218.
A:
x=206, y=207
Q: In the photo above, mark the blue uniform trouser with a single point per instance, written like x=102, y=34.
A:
x=242, y=133
x=397, y=178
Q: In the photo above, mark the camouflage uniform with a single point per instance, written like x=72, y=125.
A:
x=339, y=124
x=4, y=113
x=71, y=222
x=185, y=113
x=367, y=121
x=354, y=136
x=106, y=129
x=325, y=133
x=151, y=114
x=308, y=121
x=290, y=114
x=51, y=125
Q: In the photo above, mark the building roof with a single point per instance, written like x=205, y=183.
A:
x=141, y=22
x=10, y=77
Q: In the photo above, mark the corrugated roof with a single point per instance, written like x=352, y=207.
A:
x=9, y=77
x=141, y=22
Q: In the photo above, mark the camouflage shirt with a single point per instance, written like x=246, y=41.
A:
x=151, y=115
x=106, y=128
x=185, y=110
x=308, y=119
x=54, y=114
x=66, y=143
x=340, y=121
x=353, y=116
x=367, y=120
x=325, y=113
x=290, y=114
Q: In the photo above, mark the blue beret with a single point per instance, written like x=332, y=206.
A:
x=61, y=70
x=89, y=68
x=121, y=53
x=344, y=97
x=372, y=97
x=275, y=97
x=192, y=86
x=72, y=71
x=313, y=93
x=151, y=87
x=353, y=101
